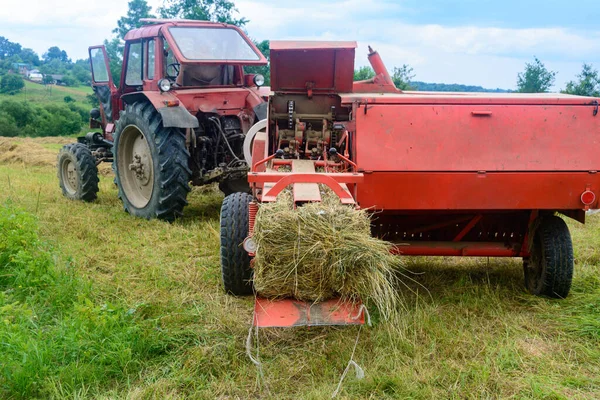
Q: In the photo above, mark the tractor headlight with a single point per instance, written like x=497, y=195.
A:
x=259, y=80
x=164, y=85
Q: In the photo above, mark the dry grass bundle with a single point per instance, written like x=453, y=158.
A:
x=40, y=152
x=26, y=151
x=321, y=251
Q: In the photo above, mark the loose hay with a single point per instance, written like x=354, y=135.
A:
x=321, y=251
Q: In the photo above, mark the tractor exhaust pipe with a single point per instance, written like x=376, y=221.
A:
x=379, y=67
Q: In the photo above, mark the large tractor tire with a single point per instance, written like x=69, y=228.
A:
x=77, y=172
x=235, y=262
x=150, y=163
x=549, y=269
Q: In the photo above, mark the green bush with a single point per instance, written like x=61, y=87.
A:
x=53, y=334
x=11, y=84
x=22, y=112
x=8, y=126
x=19, y=118
x=57, y=120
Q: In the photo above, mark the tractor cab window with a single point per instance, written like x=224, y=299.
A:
x=133, y=75
x=151, y=59
x=212, y=44
x=99, y=65
x=171, y=65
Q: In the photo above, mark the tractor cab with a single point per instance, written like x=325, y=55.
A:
x=167, y=55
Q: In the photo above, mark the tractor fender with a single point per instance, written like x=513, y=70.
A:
x=172, y=112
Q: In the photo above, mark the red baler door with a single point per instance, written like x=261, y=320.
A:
x=479, y=137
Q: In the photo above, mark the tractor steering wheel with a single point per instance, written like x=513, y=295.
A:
x=176, y=67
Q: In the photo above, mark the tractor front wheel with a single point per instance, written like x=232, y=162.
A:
x=235, y=261
x=77, y=172
x=549, y=269
x=151, y=164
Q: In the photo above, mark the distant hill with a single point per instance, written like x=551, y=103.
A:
x=453, y=87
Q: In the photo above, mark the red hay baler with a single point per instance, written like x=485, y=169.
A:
x=447, y=174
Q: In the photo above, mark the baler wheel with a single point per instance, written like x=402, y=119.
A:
x=235, y=261
x=151, y=164
x=549, y=269
x=77, y=172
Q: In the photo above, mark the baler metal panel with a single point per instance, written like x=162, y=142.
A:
x=478, y=137
x=476, y=191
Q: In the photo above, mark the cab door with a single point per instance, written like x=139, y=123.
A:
x=104, y=88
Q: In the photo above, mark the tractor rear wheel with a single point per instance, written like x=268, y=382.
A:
x=549, y=269
x=77, y=172
x=151, y=164
x=235, y=261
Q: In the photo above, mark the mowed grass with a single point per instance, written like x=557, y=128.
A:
x=40, y=94
x=475, y=334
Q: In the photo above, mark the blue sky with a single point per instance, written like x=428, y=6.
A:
x=478, y=42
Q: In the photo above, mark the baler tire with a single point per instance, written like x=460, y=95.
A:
x=167, y=169
x=549, y=270
x=235, y=261
x=234, y=186
x=77, y=159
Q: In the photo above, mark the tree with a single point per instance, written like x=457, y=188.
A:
x=138, y=9
x=8, y=48
x=536, y=78
x=588, y=84
x=204, y=10
x=363, y=73
x=114, y=52
x=29, y=56
x=55, y=53
x=264, y=70
x=403, y=76
x=11, y=83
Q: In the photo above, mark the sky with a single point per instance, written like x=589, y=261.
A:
x=475, y=42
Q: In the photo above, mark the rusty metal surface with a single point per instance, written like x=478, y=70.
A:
x=322, y=70
x=305, y=192
x=289, y=313
x=310, y=45
x=478, y=138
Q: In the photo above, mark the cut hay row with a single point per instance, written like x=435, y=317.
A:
x=26, y=151
x=37, y=152
x=321, y=251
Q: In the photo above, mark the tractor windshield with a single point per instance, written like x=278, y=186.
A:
x=208, y=44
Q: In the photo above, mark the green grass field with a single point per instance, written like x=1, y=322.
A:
x=143, y=316
x=40, y=94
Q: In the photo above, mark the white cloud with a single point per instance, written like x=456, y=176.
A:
x=487, y=56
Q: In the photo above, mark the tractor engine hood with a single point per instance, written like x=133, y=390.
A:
x=312, y=67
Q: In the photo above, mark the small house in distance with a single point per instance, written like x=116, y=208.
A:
x=21, y=68
x=58, y=80
x=35, y=76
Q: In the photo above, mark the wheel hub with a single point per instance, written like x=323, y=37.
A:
x=139, y=167
x=135, y=166
x=70, y=179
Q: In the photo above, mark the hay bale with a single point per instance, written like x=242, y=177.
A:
x=321, y=251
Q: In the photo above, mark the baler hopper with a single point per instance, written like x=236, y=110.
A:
x=446, y=174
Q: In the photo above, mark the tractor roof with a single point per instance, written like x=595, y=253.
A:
x=154, y=26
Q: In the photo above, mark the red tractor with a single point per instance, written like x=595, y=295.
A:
x=180, y=115
x=446, y=174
